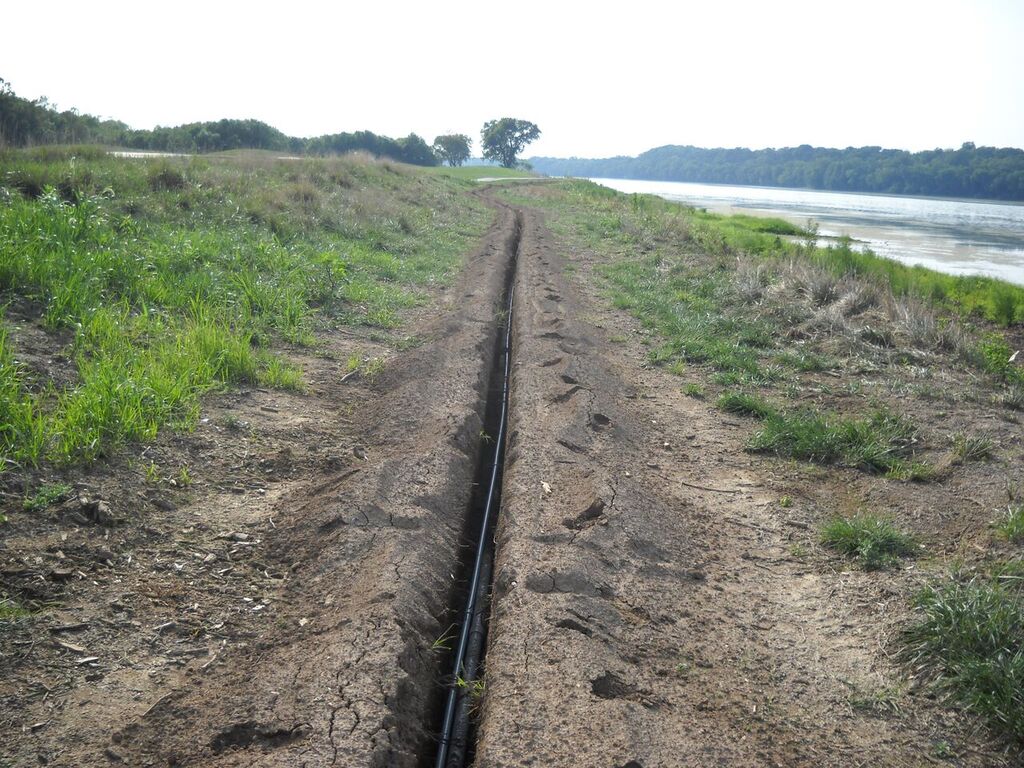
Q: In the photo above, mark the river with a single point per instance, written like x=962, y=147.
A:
x=960, y=237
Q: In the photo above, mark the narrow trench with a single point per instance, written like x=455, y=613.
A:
x=451, y=716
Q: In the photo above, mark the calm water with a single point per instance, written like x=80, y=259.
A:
x=954, y=236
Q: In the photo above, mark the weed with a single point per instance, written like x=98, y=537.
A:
x=152, y=473
x=443, y=643
x=996, y=357
x=1013, y=398
x=474, y=688
x=45, y=496
x=873, y=541
x=232, y=422
x=184, y=478
x=745, y=405
x=373, y=367
x=943, y=750
x=968, y=642
x=786, y=502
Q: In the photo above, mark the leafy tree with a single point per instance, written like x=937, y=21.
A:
x=452, y=148
x=414, y=150
x=505, y=138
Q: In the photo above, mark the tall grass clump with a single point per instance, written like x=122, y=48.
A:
x=873, y=541
x=1011, y=527
x=881, y=442
x=968, y=642
x=745, y=404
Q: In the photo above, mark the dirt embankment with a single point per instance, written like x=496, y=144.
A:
x=370, y=551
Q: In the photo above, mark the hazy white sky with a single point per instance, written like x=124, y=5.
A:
x=598, y=81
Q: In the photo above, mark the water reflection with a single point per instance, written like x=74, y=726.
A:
x=953, y=236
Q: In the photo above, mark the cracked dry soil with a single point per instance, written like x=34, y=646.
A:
x=644, y=610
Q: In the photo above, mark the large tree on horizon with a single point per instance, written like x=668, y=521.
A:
x=504, y=139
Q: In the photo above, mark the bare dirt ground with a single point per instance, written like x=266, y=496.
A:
x=287, y=604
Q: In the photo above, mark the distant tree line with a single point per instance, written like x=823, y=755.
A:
x=24, y=122
x=973, y=172
x=28, y=123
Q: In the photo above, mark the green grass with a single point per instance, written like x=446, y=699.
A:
x=45, y=496
x=745, y=404
x=971, y=447
x=968, y=641
x=872, y=541
x=177, y=276
x=1011, y=526
x=10, y=610
x=880, y=442
x=694, y=390
x=682, y=303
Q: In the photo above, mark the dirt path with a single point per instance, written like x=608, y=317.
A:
x=648, y=611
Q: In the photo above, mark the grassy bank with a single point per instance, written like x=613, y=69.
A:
x=161, y=279
x=854, y=371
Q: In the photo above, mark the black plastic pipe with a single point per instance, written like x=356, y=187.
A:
x=451, y=750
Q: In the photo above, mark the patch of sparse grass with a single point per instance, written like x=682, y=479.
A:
x=745, y=404
x=971, y=447
x=46, y=495
x=877, y=443
x=1011, y=525
x=806, y=362
x=881, y=701
x=280, y=374
x=1013, y=398
x=915, y=471
x=873, y=541
x=968, y=642
x=694, y=390
x=12, y=610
